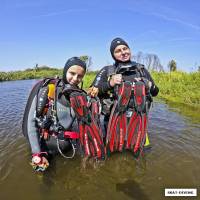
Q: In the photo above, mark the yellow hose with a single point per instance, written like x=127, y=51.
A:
x=147, y=143
x=51, y=92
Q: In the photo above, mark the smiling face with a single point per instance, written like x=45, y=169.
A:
x=122, y=53
x=75, y=74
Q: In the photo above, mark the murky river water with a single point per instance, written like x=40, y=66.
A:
x=172, y=162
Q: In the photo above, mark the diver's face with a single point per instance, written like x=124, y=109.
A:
x=75, y=75
x=122, y=53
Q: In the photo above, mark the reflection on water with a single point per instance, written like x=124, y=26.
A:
x=132, y=189
x=186, y=110
x=173, y=160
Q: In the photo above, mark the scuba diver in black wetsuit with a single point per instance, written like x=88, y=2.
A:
x=48, y=121
x=122, y=70
x=109, y=76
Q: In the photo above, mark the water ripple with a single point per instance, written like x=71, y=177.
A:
x=173, y=160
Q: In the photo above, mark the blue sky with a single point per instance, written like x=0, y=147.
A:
x=48, y=32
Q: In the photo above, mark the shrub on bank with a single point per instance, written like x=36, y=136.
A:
x=176, y=86
x=179, y=87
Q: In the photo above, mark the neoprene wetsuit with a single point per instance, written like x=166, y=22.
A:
x=136, y=71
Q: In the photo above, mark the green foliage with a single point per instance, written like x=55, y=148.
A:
x=175, y=86
x=88, y=61
x=88, y=79
x=84, y=58
x=179, y=87
x=44, y=67
x=172, y=66
x=30, y=74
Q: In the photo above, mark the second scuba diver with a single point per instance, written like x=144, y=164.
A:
x=59, y=116
x=125, y=89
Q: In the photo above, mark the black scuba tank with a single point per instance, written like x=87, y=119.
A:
x=41, y=101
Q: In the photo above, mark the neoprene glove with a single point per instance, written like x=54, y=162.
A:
x=39, y=162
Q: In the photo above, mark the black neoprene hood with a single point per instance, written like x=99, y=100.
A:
x=116, y=42
x=72, y=61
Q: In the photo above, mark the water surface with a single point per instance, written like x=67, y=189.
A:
x=172, y=162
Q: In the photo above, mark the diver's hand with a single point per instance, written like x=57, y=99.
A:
x=137, y=79
x=148, y=84
x=115, y=79
x=39, y=163
x=93, y=91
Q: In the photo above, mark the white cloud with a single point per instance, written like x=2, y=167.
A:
x=60, y=13
x=175, y=20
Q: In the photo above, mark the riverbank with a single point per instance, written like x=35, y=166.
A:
x=179, y=87
x=30, y=74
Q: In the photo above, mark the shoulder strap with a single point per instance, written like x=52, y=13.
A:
x=111, y=70
x=140, y=69
x=54, y=94
x=127, y=67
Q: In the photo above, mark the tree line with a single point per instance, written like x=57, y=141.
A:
x=149, y=60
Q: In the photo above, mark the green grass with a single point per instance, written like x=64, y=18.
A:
x=177, y=87
x=88, y=79
x=29, y=74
